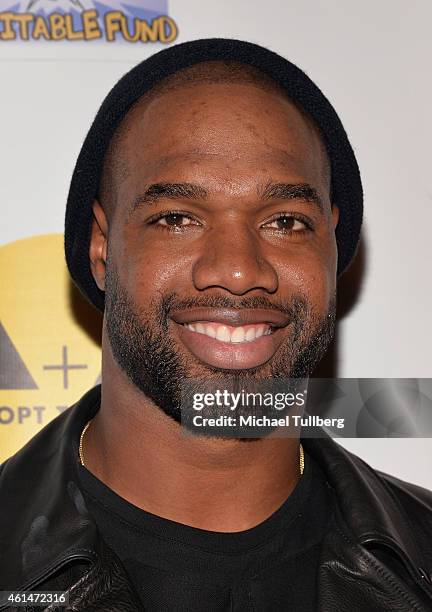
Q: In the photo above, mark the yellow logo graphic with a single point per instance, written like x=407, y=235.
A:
x=49, y=339
x=86, y=20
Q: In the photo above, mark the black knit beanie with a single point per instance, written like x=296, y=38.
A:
x=346, y=185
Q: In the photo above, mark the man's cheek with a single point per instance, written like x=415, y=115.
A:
x=315, y=283
x=154, y=273
x=320, y=287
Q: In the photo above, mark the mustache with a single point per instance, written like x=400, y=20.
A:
x=173, y=302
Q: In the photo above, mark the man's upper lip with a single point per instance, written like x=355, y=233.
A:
x=231, y=316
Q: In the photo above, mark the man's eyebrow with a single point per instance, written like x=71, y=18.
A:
x=290, y=191
x=171, y=191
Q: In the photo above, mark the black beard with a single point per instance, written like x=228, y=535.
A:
x=142, y=347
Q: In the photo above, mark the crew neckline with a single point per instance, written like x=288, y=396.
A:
x=235, y=542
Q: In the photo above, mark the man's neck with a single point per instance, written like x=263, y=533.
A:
x=216, y=485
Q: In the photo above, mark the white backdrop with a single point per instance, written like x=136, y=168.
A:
x=372, y=60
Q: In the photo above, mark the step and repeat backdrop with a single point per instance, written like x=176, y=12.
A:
x=59, y=58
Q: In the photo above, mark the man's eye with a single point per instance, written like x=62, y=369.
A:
x=174, y=220
x=286, y=223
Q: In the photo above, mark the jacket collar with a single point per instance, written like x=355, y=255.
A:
x=45, y=523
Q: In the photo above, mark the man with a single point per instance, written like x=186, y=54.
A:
x=215, y=201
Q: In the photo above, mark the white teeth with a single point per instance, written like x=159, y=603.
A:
x=250, y=334
x=225, y=334
x=238, y=335
x=210, y=331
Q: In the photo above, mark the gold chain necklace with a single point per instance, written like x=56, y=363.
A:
x=301, y=461
x=81, y=454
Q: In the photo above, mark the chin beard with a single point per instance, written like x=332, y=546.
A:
x=142, y=347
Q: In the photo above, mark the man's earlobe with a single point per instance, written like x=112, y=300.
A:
x=98, y=245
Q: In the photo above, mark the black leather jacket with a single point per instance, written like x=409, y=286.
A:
x=377, y=554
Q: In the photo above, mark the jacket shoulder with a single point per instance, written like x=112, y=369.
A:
x=43, y=522
x=415, y=503
x=54, y=439
x=415, y=500
x=407, y=491
x=25, y=459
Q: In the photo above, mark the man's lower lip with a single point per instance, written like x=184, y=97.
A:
x=227, y=355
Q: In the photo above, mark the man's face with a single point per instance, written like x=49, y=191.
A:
x=221, y=250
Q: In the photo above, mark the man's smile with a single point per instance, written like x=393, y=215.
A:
x=231, y=338
x=228, y=333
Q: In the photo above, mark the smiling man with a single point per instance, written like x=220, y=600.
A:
x=215, y=201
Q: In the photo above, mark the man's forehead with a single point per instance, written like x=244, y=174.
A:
x=255, y=127
x=195, y=159
x=222, y=176
x=152, y=142
x=201, y=100
x=227, y=172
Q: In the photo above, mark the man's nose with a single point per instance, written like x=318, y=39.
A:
x=234, y=260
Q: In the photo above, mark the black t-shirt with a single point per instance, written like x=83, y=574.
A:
x=175, y=567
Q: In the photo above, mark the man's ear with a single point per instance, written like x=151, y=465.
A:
x=335, y=215
x=98, y=245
